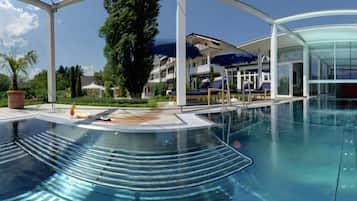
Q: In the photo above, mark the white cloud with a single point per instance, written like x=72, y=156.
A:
x=14, y=23
x=89, y=70
x=31, y=7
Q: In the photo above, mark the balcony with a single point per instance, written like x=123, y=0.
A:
x=157, y=69
x=204, y=69
x=169, y=76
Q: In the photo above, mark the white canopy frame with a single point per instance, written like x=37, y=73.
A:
x=275, y=24
x=51, y=9
x=181, y=41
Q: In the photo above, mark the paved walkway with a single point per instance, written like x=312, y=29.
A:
x=166, y=117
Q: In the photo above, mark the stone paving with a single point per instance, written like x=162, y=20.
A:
x=166, y=116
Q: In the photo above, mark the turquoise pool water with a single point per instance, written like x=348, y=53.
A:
x=295, y=151
x=302, y=151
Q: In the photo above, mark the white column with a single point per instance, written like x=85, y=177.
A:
x=260, y=68
x=319, y=76
x=188, y=72
x=51, y=74
x=334, y=62
x=306, y=71
x=239, y=80
x=209, y=60
x=228, y=87
x=291, y=81
x=181, y=53
x=274, y=61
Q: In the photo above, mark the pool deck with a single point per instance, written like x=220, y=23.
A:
x=166, y=117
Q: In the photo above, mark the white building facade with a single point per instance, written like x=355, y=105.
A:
x=197, y=69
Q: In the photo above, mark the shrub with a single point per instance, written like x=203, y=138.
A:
x=160, y=89
x=4, y=82
x=108, y=102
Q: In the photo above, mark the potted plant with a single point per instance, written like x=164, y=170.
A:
x=17, y=65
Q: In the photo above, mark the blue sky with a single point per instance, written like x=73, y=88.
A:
x=24, y=28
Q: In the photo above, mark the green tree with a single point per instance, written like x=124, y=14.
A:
x=72, y=76
x=99, y=78
x=79, y=73
x=38, y=85
x=61, y=70
x=129, y=30
x=4, y=82
x=108, y=92
x=18, y=64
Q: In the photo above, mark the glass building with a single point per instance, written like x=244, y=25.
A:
x=331, y=61
x=317, y=60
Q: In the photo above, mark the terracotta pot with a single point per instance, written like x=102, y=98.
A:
x=16, y=99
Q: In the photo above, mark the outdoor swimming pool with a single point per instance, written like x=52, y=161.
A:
x=302, y=150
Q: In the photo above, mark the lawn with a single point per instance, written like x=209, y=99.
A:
x=108, y=102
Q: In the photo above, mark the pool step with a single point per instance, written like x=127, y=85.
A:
x=35, y=195
x=123, y=156
x=139, y=173
x=10, y=152
x=62, y=187
x=132, y=154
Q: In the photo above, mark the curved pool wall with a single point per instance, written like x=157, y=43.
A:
x=303, y=150
x=71, y=163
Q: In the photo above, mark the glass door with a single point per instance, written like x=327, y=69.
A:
x=285, y=81
x=298, y=79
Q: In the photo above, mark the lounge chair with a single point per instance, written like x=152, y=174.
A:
x=204, y=93
x=262, y=92
x=215, y=91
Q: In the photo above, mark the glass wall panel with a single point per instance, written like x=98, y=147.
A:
x=314, y=67
x=326, y=89
x=313, y=89
x=353, y=60
x=284, y=79
x=346, y=60
x=290, y=54
x=343, y=60
x=322, y=61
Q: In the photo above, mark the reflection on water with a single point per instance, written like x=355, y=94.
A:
x=71, y=151
x=302, y=150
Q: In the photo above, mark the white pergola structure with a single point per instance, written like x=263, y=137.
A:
x=51, y=9
x=94, y=87
x=276, y=25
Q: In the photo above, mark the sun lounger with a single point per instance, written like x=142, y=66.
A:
x=263, y=91
x=204, y=94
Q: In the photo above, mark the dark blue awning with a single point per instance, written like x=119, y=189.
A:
x=233, y=58
x=169, y=49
